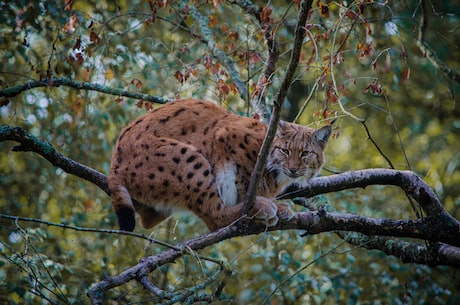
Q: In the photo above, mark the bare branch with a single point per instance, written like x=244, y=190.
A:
x=427, y=228
x=440, y=228
x=57, y=82
x=47, y=151
x=406, y=180
x=82, y=229
x=409, y=252
x=428, y=52
x=278, y=105
x=313, y=222
x=273, y=54
x=370, y=138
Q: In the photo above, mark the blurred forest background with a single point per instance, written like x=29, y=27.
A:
x=392, y=64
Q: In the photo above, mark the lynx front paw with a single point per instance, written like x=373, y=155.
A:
x=284, y=211
x=265, y=210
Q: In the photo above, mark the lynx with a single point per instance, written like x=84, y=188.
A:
x=195, y=155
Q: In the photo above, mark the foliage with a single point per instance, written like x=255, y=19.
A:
x=385, y=71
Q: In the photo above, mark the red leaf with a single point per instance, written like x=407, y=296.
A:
x=93, y=37
x=405, y=74
x=137, y=83
x=374, y=87
x=265, y=14
x=324, y=9
x=179, y=76
x=223, y=88
x=148, y=106
x=233, y=35
x=212, y=21
x=255, y=58
x=77, y=44
x=404, y=53
x=79, y=58
x=351, y=14
x=68, y=5
x=71, y=24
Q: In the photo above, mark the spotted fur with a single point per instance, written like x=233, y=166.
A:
x=195, y=155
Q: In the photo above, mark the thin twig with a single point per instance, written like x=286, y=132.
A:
x=75, y=84
x=265, y=79
x=370, y=138
x=298, y=271
x=83, y=229
x=203, y=22
x=428, y=52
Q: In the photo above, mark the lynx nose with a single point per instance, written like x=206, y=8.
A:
x=292, y=172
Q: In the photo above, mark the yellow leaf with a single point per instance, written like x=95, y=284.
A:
x=109, y=74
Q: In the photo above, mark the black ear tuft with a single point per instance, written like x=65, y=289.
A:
x=322, y=134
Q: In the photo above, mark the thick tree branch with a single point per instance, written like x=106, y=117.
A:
x=409, y=182
x=406, y=180
x=433, y=254
x=63, y=81
x=428, y=228
x=313, y=222
x=278, y=105
x=30, y=143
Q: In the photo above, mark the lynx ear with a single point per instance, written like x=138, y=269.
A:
x=281, y=127
x=322, y=134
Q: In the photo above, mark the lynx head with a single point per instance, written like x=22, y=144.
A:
x=297, y=153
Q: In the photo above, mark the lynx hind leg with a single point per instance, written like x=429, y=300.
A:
x=176, y=177
x=122, y=205
x=149, y=216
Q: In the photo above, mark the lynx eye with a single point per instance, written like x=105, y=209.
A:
x=305, y=153
x=284, y=151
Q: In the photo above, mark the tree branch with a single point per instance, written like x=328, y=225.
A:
x=30, y=143
x=409, y=252
x=427, y=228
x=313, y=222
x=278, y=105
x=203, y=22
x=82, y=229
x=406, y=180
x=440, y=228
x=63, y=81
x=273, y=54
x=409, y=182
x=428, y=52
